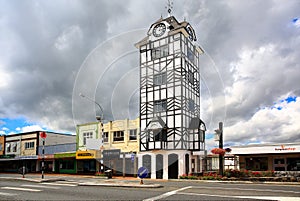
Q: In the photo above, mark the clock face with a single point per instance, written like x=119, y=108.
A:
x=190, y=32
x=159, y=30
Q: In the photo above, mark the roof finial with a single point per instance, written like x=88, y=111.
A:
x=169, y=7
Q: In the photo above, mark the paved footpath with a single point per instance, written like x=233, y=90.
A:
x=90, y=180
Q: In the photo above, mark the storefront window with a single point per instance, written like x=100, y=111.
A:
x=257, y=163
x=293, y=164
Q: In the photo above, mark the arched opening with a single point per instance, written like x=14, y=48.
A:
x=187, y=164
x=159, y=166
x=173, y=166
x=147, y=164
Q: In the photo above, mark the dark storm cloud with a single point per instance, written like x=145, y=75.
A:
x=53, y=50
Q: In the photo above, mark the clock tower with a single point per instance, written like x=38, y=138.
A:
x=172, y=132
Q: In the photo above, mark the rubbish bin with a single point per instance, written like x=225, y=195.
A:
x=108, y=174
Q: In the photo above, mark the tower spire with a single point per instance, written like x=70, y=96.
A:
x=169, y=7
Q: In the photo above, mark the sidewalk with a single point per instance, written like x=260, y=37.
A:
x=82, y=180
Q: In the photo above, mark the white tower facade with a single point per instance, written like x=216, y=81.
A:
x=171, y=128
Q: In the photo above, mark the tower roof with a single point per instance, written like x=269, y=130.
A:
x=173, y=27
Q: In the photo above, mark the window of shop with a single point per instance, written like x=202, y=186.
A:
x=279, y=164
x=293, y=164
x=132, y=134
x=105, y=137
x=8, y=148
x=257, y=163
x=118, y=135
x=14, y=147
x=87, y=135
x=67, y=164
x=29, y=145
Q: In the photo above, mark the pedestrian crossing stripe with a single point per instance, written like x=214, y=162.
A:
x=40, y=186
x=7, y=194
x=20, y=189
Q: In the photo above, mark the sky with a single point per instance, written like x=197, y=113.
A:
x=53, y=50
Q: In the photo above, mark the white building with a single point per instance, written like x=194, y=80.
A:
x=277, y=157
x=172, y=133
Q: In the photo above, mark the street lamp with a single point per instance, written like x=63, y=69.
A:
x=99, y=118
x=219, y=134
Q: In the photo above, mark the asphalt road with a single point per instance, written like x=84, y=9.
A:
x=171, y=190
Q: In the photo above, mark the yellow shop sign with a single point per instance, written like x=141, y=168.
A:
x=91, y=154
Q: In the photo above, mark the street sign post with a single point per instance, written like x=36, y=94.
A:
x=142, y=173
x=43, y=136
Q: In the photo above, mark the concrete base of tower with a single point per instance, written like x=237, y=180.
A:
x=169, y=164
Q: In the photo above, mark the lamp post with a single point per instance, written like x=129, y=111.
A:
x=219, y=133
x=98, y=117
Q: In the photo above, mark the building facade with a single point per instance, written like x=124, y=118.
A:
x=171, y=128
x=276, y=157
x=25, y=149
x=113, y=146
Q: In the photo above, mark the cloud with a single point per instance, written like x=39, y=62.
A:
x=30, y=128
x=53, y=50
x=268, y=124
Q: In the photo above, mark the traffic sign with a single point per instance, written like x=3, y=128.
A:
x=132, y=157
x=142, y=172
x=43, y=135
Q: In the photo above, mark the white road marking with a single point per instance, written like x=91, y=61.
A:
x=170, y=193
x=39, y=186
x=272, y=198
x=167, y=194
x=21, y=189
x=7, y=194
x=248, y=189
x=59, y=184
x=245, y=197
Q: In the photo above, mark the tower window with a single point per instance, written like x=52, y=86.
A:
x=118, y=136
x=160, y=52
x=191, y=77
x=190, y=55
x=160, y=106
x=160, y=79
x=191, y=105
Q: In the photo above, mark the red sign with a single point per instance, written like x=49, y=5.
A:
x=43, y=135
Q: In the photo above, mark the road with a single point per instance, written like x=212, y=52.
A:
x=171, y=190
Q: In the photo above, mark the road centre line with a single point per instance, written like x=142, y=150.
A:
x=167, y=194
x=21, y=189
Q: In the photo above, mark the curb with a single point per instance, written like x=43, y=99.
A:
x=31, y=180
x=128, y=185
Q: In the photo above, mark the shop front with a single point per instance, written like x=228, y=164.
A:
x=276, y=157
x=65, y=163
x=88, y=162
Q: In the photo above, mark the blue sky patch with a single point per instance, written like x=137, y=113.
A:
x=8, y=125
x=291, y=99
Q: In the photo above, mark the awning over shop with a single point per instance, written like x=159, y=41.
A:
x=65, y=155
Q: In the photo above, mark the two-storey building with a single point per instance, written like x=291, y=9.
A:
x=25, y=149
x=111, y=146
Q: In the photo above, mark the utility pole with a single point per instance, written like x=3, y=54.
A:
x=219, y=132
